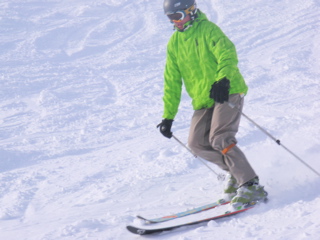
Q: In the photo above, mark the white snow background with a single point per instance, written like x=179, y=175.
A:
x=81, y=95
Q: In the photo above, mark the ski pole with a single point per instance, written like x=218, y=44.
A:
x=273, y=138
x=220, y=176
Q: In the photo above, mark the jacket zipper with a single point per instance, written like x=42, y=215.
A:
x=197, y=49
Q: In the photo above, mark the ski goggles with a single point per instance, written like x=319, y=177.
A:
x=178, y=16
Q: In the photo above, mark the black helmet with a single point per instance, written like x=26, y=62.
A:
x=172, y=6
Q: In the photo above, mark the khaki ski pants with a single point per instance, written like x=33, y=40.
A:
x=212, y=137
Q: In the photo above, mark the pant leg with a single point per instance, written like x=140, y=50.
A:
x=224, y=127
x=212, y=137
x=199, y=138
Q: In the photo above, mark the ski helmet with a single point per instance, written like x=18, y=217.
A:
x=172, y=6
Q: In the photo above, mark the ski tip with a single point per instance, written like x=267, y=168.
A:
x=140, y=217
x=136, y=230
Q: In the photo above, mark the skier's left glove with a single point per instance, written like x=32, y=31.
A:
x=220, y=90
x=165, y=127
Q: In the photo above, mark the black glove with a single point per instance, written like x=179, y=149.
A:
x=165, y=127
x=220, y=90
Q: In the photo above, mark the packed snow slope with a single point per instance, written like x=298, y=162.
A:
x=81, y=95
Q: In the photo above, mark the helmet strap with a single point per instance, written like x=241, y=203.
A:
x=194, y=14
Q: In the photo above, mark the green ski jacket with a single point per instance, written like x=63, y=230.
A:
x=197, y=58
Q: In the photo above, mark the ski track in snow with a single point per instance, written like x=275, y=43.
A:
x=81, y=84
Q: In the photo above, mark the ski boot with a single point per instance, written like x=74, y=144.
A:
x=248, y=194
x=230, y=189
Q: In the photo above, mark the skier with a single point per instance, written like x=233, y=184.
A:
x=200, y=56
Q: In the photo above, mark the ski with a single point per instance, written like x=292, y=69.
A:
x=150, y=230
x=184, y=213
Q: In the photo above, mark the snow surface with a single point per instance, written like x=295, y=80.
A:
x=81, y=95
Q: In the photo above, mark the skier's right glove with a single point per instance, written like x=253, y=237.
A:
x=165, y=127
